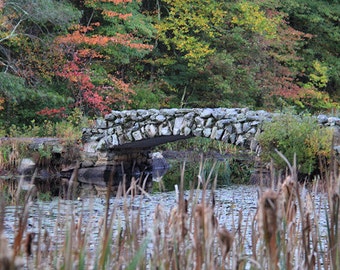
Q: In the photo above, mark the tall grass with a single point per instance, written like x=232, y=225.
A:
x=285, y=232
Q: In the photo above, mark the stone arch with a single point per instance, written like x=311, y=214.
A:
x=148, y=128
x=127, y=137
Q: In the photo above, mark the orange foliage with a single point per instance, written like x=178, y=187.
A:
x=116, y=2
x=2, y=101
x=285, y=87
x=88, y=53
x=119, y=93
x=109, y=13
x=77, y=37
x=84, y=45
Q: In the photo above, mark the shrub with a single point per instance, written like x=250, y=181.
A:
x=300, y=135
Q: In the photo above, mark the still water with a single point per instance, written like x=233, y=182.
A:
x=231, y=202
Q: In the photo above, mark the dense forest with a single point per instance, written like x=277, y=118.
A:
x=68, y=59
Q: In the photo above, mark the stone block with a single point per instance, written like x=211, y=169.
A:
x=137, y=135
x=199, y=121
x=213, y=133
x=206, y=113
x=101, y=145
x=160, y=118
x=151, y=130
x=225, y=137
x=178, y=125
x=101, y=123
x=218, y=134
x=232, y=138
x=238, y=128
x=164, y=130
x=210, y=122
x=168, y=112
x=197, y=132
x=246, y=127
x=207, y=132
x=187, y=131
x=240, y=140
x=223, y=123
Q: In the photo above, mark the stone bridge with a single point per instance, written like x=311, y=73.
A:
x=124, y=139
x=119, y=146
x=149, y=128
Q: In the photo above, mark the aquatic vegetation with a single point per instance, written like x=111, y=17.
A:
x=284, y=231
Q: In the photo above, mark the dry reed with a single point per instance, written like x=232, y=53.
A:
x=285, y=233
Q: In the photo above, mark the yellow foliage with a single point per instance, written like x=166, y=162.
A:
x=253, y=18
x=188, y=25
x=319, y=142
x=319, y=78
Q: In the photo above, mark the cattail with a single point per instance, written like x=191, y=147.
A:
x=205, y=217
x=269, y=216
x=288, y=195
x=7, y=261
x=28, y=243
x=177, y=219
x=205, y=225
x=226, y=240
x=5, y=254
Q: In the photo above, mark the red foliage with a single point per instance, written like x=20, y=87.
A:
x=118, y=94
x=53, y=113
x=84, y=45
x=278, y=74
x=116, y=2
x=84, y=91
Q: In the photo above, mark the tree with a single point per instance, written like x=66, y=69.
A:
x=104, y=54
x=27, y=57
x=320, y=19
x=185, y=32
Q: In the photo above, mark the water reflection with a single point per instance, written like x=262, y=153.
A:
x=55, y=216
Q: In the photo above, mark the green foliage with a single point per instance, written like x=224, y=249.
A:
x=22, y=102
x=66, y=130
x=320, y=20
x=9, y=192
x=69, y=130
x=13, y=88
x=172, y=53
x=11, y=154
x=314, y=101
x=148, y=98
x=76, y=118
x=43, y=12
x=296, y=135
x=241, y=168
x=45, y=196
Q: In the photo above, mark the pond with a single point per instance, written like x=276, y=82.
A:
x=228, y=168
x=235, y=208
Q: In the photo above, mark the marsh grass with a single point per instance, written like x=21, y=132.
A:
x=285, y=231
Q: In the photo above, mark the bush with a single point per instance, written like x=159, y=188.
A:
x=300, y=135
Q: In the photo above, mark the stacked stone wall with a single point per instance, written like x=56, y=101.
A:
x=148, y=128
